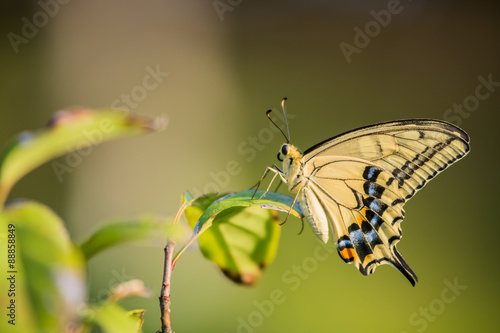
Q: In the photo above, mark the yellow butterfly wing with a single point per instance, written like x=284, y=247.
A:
x=358, y=183
x=414, y=150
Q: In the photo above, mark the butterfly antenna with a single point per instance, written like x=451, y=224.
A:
x=286, y=119
x=268, y=116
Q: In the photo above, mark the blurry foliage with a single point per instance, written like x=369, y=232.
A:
x=48, y=281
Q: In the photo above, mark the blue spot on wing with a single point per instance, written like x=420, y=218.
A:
x=345, y=244
x=371, y=173
x=359, y=242
x=374, y=219
x=373, y=189
x=377, y=206
x=370, y=234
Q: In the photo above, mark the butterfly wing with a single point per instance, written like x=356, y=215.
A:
x=359, y=182
x=414, y=151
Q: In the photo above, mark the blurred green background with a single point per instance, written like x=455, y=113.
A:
x=227, y=63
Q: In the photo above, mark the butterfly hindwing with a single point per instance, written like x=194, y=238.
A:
x=361, y=208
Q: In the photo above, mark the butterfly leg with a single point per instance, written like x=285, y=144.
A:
x=301, y=229
x=277, y=172
x=290, y=211
x=256, y=186
x=277, y=187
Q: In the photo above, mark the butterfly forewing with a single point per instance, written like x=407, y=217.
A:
x=413, y=151
x=358, y=182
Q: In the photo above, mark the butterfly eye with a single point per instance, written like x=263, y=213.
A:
x=284, y=149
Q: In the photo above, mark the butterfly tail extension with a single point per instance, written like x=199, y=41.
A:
x=403, y=267
x=368, y=247
x=364, y=258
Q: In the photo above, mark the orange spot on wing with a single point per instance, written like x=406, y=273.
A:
x=361, y=217
x=348, y=254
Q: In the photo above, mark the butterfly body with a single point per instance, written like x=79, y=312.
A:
x=355, y=184
x=293, y=169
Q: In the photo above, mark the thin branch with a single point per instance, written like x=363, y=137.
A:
x=165, y=290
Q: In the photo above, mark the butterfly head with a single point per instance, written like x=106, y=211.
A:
x=290, y=156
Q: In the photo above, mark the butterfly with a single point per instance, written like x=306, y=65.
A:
x=355, y=184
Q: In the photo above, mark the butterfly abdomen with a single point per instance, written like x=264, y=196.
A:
x=314, y=213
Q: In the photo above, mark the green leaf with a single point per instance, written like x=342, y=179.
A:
x=112, y=318
x=49, y=271
x=271, y=200
x=138, y=316
x=66, y=131
x=240, y=239
x=146, y=229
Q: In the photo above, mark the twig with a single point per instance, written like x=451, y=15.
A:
x=165, y=290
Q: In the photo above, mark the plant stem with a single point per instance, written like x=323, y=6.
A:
x=165, y=290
